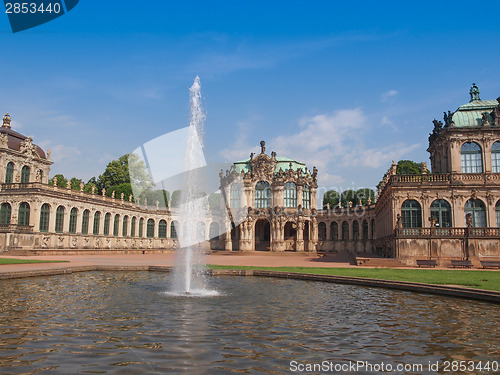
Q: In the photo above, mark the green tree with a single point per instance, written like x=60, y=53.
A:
x=116, y=173
x=348, y=196
x=124, y=188
x=408, y=167
x=364, y=194
x=162, y=196
x=215, y=201
x=138, y=173
x=332, y=197
x=75, y=183
x=176, y=198
x=61, y=180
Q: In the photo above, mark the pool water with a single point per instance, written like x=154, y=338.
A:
x=128, y=323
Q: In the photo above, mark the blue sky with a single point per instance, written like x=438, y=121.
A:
x=346, y=87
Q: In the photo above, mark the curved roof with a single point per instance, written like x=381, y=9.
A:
x=282, y=163
x=15, y=139
x=471, y=114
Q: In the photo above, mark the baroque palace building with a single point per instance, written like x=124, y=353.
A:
x=451, y=213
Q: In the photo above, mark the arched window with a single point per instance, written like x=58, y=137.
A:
x=173, y=231
x=23, y=217
x=132, y=226
x=97, y=221
x=214, y=231
x=306, y=197
x=345, y=230
x=107, y=220
x=497, y=211
x=116, y=225
x=85, y=221
x=200, y=231
x=411, y=214
x=59, y=219
x=495, y=157
x=322, y=231
x=472, y=162
x=476, y=208
x=262, y=195
x=441, y=211
x=72, y=220
x=125, y=225
x=5, y=213
x=141, y=227
x=365, y=229
x=334, y=231
x=355, y=230
x=162, y=229
x=150, y=230
x=25, y=175
x=235, y=196
x=44, y=217
x=9, y=173
x=290, y=194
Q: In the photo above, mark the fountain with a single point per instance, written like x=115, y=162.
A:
x=189, y=271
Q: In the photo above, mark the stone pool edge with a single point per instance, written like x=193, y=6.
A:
x=451, y=291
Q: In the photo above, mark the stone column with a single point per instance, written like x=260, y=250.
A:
x=313, y=197
x=486, y=155
x=299, y=245
x=455, y=153
x=52, y=218
x=458, y=212
x=249, y=196
x=491, y=220
x=426, y=213
x=300, y=192
x=34, y=215
x=67, y=213
x=101, y=222
x=79, y=217
x=228, y=243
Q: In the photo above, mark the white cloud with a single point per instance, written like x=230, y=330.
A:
x=61, y=154
x=388, y=95
x=386, y=121
x=333, y=143
x=378, y=157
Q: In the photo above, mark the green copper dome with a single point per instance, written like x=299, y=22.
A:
x=282, y=163
x=476, y=112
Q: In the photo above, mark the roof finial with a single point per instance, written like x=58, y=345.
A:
x=262, y=147
x=474, y=93
x=6, y=120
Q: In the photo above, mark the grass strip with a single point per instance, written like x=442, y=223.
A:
x=478, y=279
x=27, y=261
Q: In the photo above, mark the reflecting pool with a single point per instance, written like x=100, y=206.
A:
x=127, y=323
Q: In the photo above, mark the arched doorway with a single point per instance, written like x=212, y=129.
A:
x=290, y=236
x=262, y=235
x=305, y=235
x=235, y=237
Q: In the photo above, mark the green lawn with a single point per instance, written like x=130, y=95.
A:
x=479, y=279
x=23, y=261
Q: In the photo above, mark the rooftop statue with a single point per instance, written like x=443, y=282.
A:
x=474, y=93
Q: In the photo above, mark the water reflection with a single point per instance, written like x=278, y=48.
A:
x=125, y=323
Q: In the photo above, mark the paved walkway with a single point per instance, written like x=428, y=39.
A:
x=168, y=259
